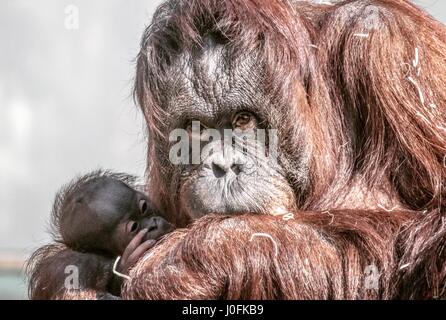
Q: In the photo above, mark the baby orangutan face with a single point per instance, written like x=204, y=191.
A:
x=105, y=214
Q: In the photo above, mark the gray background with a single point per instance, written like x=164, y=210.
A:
x=66, y=106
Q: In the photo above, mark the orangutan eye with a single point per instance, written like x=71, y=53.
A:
x=244, y=120
x=132, y=227
x=143, y=207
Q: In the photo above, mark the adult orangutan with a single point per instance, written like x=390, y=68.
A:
x=357, y=94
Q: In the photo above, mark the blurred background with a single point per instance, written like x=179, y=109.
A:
x=66, y=72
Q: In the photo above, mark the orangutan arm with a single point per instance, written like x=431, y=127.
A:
x=314, y=256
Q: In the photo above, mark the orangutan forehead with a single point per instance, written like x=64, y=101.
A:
x=210, y=81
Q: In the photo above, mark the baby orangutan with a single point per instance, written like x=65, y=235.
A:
x=104, y=215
